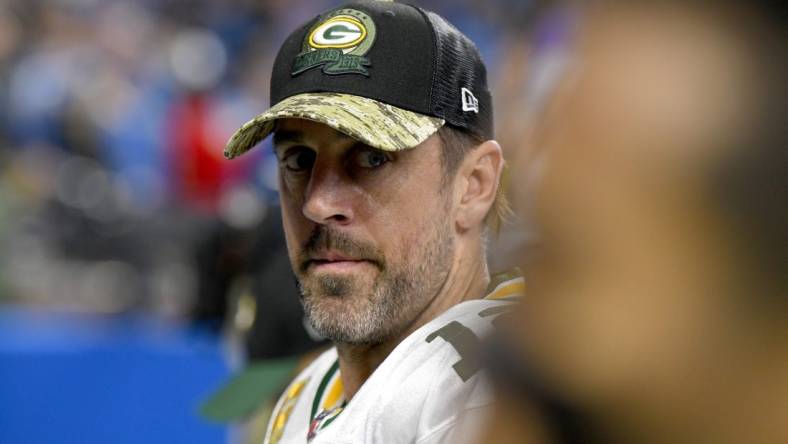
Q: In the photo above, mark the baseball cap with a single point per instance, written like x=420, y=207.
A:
x=385, y=73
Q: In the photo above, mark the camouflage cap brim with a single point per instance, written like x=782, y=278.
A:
x=374, y=123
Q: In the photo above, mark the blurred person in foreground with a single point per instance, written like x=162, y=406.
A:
x=657, y=309
x=382, y=125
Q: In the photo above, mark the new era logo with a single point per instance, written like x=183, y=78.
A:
x=469, y=101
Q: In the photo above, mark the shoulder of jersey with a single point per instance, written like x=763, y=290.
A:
x=434, y=375
x=429, y=378
x=290, y=417
x=458, y=331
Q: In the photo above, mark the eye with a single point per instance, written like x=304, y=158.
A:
x=298, y=159
x=371, y=159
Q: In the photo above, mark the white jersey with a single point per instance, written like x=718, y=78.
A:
x=428, y=390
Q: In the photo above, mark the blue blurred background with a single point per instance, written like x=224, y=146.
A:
x=81, y=378
x=137, y=267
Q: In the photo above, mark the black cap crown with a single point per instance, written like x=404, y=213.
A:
x=394, y=53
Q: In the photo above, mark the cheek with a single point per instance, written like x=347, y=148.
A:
x=404, y=230
x=296, y=226
x=288, y=191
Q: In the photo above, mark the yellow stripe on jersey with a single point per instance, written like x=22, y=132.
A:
x=285, y=410
x=510, y=288
x=334, y=393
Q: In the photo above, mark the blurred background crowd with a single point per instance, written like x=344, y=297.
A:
x=113, y=117
x=119, y=216
x=138, y=269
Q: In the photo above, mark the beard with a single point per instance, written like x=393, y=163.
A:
x=353, y=309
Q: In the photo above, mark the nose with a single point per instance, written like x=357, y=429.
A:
x=329, y=196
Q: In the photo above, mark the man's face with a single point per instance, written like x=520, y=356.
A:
x=369, y=232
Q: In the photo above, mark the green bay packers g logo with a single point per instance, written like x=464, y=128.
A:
x=338, y=42
x=339, y=32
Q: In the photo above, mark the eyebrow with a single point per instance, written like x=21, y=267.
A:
x=296, y=137
x=284, y=136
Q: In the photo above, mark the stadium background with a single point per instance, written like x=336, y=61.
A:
x=131, y=253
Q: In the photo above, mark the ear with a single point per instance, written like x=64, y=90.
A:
x=477, y=185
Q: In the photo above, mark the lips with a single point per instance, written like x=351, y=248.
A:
x=334, y=261
x=334, y=257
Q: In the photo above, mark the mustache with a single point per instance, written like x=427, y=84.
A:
x=327, y=239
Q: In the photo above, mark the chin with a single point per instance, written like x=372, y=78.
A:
x=340, y=324
x=350, y=318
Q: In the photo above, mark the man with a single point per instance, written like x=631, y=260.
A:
x=382, y=124
x=657, y=310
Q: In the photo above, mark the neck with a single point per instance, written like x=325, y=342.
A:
x=467, y=279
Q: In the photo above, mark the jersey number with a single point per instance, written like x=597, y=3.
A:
x=465, y=342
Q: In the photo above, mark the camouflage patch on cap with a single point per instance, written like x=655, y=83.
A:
x=374, y=123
